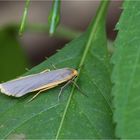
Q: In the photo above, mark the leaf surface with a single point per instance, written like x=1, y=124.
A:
x=75, y=115
x=126, y=78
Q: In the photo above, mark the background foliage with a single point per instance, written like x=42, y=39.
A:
x=126, y=90
x=12, y=58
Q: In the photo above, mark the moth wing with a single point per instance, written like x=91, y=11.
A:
x=27, y=84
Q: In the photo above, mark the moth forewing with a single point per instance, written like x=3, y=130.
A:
x=54, y=84
x=35, y=82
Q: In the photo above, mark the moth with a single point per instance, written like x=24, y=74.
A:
x=37, y=82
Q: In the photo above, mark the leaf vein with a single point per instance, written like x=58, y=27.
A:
x=39, y=113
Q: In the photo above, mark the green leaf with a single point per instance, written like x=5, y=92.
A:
x=75, y=116
x=126, y=79
x=12, y=58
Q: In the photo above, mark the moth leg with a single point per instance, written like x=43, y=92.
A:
x=40, y=92
x=62, y=88
x=54, y=66
x=71, y=81
x=47, y=70
x=79, y=88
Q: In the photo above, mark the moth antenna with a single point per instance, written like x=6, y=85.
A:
x=62, y=88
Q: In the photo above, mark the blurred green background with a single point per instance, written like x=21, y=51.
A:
x=18, y=53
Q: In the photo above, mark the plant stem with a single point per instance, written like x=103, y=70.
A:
x=102, y=10
x=24, y=17
x=54, y=16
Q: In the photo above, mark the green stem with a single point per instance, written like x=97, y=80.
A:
x=22, y=26
x=102, y=10
x=54, y=16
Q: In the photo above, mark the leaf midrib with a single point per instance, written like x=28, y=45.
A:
x=93, y=30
